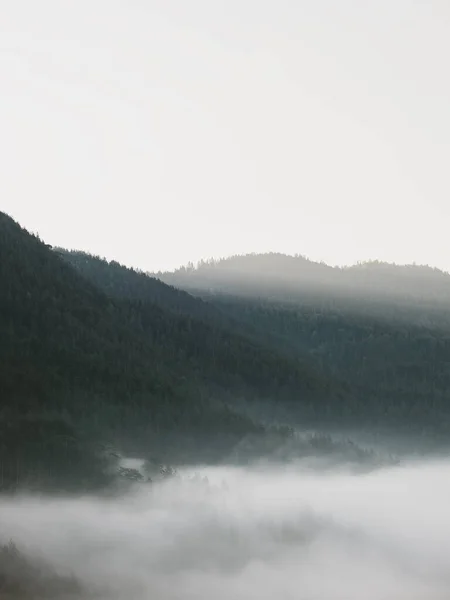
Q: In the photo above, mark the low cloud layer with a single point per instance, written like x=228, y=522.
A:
x=247, y=534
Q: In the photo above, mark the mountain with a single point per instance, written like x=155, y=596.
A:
x=298, y=270
x=202, y=330
x=81, y=362
x=381, y=360
x=124, y=283
x=94, y=355
x=373, y=287
x=383, y=330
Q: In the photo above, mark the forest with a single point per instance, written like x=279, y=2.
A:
x=188, y=366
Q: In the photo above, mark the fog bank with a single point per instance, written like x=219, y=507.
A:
x=289, y=533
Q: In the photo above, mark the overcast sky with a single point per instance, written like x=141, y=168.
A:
x=158, y=132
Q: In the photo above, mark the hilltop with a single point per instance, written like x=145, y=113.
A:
x=373, y=288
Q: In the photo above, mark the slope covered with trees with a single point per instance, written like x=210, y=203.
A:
x=382, y=329
x=80, y=363
x=390, y=352
x=124, y=283
x=93, y=353
x=219, y=341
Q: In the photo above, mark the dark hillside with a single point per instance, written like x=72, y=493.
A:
x=124, y=283
x=78, y=366
x=393, y=357
x=197, y=331
x=382, y=329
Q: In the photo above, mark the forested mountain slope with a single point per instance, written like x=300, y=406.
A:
x=395, y=365
x=202, y=333
x=77, y=365
x=125, y=283
x=91, y=351
x=382, y=329
x=397, y=373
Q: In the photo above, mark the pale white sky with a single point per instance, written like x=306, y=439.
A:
x=161, y=131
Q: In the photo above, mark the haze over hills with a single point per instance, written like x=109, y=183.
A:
x=96, y=352
x=99, y=361
x=375, y=288
x=257, y=426
x=82, y=363
x=382, y=328
x=251, y=271
x=390, y=356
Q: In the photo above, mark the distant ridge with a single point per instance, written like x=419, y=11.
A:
x=276, y=273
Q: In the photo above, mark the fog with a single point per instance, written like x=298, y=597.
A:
x=283, y=275
x=251, y=533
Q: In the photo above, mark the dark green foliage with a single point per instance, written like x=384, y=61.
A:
x=91, y=351
x=118, y=281
x=393, y=372
x=38, y=451
x=382, y=330
x=378, y=350
x=81, y=363
x=200, y=338
x=193, y=330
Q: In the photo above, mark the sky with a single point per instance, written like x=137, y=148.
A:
x=158, y=132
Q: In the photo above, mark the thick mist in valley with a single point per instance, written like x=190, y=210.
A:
x=220, y=409
x=160, y=445
x=293, y=531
